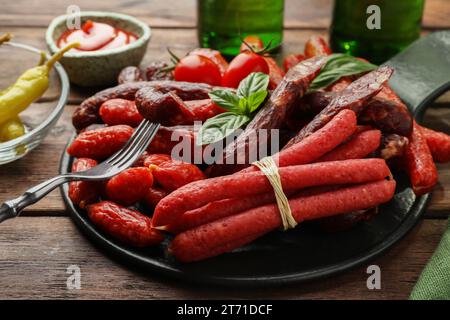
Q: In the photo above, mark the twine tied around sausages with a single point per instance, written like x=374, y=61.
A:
x=270, y=169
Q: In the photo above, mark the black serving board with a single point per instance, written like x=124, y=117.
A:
x=306, y=252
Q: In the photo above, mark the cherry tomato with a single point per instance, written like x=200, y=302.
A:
x=241, y=66
x=254, y=41
x=195, y=68
x=215, y=57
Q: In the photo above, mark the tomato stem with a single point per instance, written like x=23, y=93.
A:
x=173, y=56
x=267, y=48
x=261, y=52
x=247, y=44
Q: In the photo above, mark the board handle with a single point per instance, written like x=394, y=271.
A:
x=422, y=71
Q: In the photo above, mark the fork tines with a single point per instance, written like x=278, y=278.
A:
x=138, y=142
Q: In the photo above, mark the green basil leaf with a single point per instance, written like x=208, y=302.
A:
x=225, y=99
x=217, y=128
x=339, y=65
x=250, y=104
x=255, y=100
x=243, y=106
x=254, y=82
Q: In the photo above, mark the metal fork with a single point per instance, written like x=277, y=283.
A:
x=118, y=162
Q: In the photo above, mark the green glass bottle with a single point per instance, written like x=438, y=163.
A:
x=222, y=23
x=375, y=29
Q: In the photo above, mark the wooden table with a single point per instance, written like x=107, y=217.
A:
x=37, y=248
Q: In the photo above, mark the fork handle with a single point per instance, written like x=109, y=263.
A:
x=12, y=208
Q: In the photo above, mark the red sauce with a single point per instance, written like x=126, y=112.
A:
x=96, y=36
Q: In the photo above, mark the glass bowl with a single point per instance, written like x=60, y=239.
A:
x=43, y=113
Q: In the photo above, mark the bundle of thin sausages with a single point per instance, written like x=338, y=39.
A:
x=322, y=175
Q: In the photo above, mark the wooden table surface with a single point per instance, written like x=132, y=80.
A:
x=37, y=248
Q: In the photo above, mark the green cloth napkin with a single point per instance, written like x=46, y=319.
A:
x=434, y=282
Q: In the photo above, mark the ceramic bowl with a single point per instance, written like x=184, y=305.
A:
x=100, y=68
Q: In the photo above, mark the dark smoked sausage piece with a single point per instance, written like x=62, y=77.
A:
x=87, y=113
x=130, y=74
x=353, y=97
x=169, y=109
x=154, y=71
x=165, y=108
x=388, y=113
x=273, y=114
x=385, y=112
x=340, y=85
x=314, y=102
x=392, y=146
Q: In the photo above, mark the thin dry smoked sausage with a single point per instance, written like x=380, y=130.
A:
x=293, y=178
x=419, y=163
x=335, y=132
x=439, y=144
x=360, y=145
x=219, y=209
x=339, y=129
x=226, y=234
x=353, y=97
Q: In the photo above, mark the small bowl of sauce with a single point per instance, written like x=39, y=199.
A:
x=94, y=36
x=108, y=43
